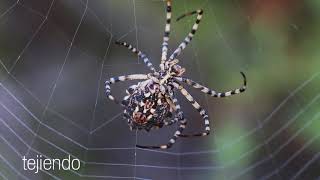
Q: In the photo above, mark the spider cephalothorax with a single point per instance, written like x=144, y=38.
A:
x=152, y=103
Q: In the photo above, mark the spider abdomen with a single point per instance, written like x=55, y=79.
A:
x=146, y=107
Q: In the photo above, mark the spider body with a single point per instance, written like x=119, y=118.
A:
x=146, y=106
x=152, y=103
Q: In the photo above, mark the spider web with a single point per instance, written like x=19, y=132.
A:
x=55, y=56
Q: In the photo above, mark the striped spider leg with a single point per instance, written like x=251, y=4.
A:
x=121, y=79
x=166, y=35
x=140, y=54
x=212, y=92
x=206, y=90
x=189, y=37
x=196, y=105
x=179, y=117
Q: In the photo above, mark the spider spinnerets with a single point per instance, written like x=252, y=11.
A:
x=152, y=102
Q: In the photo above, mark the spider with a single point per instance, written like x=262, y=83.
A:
x=152, y=104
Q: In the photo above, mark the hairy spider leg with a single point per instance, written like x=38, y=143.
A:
x=196, y=105
x=140, y=54
x=212, y=92
x=176, y=119
x=166, y=35
x=121, y=79
x=182, y=125
x=187, y=39
x=174, y=100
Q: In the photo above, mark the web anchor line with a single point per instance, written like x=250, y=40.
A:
x=61, y=69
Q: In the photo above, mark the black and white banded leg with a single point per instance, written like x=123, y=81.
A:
x=166, y=35
x=182, y=125
x=176, y=119
x=197, y=106
x=212, y=92
x=140, y=54
x=188, y=39
x=121, y=79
